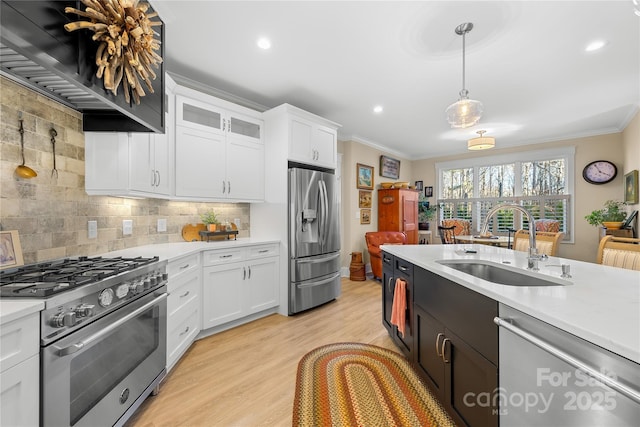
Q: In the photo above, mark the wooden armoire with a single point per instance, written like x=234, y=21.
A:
x=398, y=211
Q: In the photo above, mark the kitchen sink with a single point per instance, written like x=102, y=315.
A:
x=498, y=274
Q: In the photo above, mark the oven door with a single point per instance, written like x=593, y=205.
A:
x=93, y=376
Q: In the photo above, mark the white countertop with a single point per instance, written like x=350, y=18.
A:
x=171, y=251
x=11, y=310
x=14, y=309
x=601, y=304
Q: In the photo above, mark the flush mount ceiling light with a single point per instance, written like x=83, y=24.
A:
x=378, y=109
x=264, y=43
x=465, y=112
x=482, y=142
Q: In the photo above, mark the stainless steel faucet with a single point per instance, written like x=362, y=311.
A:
x=534, y=257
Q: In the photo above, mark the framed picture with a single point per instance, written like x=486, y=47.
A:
x=419, y=185
x=364, y=177
x=631, y=187
x=364, y=199
x=10, y=250
x=365, y=216
x=389, y=168
x=428, y=191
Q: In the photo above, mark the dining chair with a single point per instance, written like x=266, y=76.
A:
x=463, y=226
x=447, y=234
x=546, y=242
x=622, y=252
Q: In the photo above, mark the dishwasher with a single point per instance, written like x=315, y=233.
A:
x=548, y=377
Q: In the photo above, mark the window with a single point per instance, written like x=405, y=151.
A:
x=540, y=181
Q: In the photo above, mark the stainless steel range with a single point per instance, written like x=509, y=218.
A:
x=102, y=335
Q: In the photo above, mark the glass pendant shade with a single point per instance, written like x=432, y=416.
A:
x=482, y=142
x=464, y=113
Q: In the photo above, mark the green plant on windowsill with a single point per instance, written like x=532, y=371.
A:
x=210, y=219
x=613, y=212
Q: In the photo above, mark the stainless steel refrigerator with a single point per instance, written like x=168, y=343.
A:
x=314, y=239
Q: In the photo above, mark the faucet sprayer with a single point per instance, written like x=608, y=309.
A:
x=533, y=257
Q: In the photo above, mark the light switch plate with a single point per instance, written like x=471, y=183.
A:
x=162, y=225
x=357, y=213
x=237, y=223
x=92, y=229
x=127, y=227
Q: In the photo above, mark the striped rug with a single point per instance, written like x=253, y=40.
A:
x=352, y=384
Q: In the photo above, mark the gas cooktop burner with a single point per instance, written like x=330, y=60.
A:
x=49, y=278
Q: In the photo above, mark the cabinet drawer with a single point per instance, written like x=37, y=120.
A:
x=19, y=393
x=19, y=340
x=188, y=290
x=183, y=265
x=263, y=251
x=222, y=256
x=180, y=336
x=387, y=260
x=403, y=268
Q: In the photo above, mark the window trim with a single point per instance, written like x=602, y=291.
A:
x=567, y=153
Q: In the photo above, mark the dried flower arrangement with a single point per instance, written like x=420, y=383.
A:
x=127, y=43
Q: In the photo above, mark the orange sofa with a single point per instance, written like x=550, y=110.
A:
x=376, y=238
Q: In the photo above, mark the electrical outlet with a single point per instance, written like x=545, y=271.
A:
x=237, y=223
x=92, y=229
x=162, y=225
x=127, y=227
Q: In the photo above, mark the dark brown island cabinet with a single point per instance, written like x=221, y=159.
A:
x=393, y=269
x=453, y=343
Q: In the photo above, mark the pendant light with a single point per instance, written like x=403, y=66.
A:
x=482, y=142
x=465, y=112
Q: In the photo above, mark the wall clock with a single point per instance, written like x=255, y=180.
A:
x=599, y=172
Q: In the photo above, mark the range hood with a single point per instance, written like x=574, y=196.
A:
x=36, y=51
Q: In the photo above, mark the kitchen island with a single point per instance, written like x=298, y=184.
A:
x=453, y=340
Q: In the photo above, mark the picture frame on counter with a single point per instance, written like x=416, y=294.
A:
x=364, y=177
x=10, y=249
x=365, y=216
x=389, y=168
x=631, y=187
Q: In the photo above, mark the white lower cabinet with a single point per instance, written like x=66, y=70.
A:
x=239, y=283
x=20, y=372
x=183, y=306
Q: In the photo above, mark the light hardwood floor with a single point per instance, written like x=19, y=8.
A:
x=246, y=376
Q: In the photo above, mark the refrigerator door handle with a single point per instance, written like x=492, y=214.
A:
x=325, y=212
x=319, y=260
x=319, y=282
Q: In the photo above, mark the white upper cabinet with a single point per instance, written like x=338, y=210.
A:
x=212, y=150
x=135, y=164
x=311, y=139
x=219, y=151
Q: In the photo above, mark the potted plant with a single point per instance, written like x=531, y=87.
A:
x=611, y=216
x=210, y=220
x=425, y=214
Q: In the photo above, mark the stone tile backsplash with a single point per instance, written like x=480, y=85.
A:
x=51, y=214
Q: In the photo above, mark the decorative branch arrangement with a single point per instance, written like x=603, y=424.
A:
x=127, y=45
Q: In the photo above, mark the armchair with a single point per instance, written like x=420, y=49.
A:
x=376, y=238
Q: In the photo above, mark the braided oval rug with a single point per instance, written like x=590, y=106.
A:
x=352, y=384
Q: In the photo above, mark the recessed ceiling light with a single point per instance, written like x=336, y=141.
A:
x=264, y=43
x=595, y=45
x=377, y=109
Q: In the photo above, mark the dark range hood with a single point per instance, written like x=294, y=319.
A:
x=36, y=51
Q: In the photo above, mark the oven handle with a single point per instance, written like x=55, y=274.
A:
x=79, y=345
